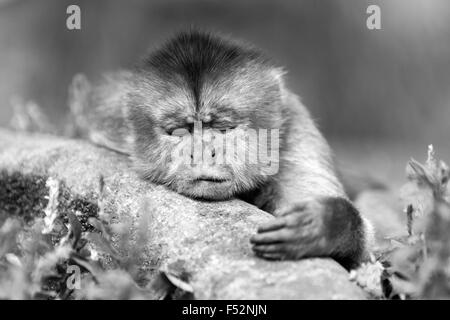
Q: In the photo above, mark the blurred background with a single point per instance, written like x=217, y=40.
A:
x=379, y=96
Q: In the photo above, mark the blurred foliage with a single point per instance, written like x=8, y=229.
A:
x=49, y=259
x=416, y=266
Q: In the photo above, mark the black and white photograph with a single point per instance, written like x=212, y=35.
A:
x=240, y=150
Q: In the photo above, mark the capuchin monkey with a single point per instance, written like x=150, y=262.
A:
x=227, y=87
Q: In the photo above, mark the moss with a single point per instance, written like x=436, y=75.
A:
x=21, y=195
x=68, y=203
x=24, y=195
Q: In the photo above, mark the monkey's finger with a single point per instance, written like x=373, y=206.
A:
x=272, y=225
x=304, y=249
x=282, y=235
x=270, y=256
x=269, y=248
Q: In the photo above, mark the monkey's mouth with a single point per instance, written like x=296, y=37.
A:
x=209, y=187
x=211, y=179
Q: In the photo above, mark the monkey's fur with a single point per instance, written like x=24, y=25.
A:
x=228, y=86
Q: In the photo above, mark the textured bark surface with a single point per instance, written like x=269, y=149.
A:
x=209, y=240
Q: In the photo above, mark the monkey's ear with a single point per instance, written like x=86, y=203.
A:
x=278, y=75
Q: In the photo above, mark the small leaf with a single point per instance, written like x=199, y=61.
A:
x=75, y=227
x=103, y=245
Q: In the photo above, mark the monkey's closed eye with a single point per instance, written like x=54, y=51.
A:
x=224, y=130
x=177, y=132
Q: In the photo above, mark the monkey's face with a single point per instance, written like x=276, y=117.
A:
x=212, y=144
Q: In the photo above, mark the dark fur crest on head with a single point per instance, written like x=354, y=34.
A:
x=195, y=54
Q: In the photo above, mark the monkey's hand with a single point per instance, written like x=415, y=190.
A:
x=324, y=227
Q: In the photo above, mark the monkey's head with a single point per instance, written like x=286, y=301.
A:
x=195, y=94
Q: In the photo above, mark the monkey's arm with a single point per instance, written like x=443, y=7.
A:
x=313, y=214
